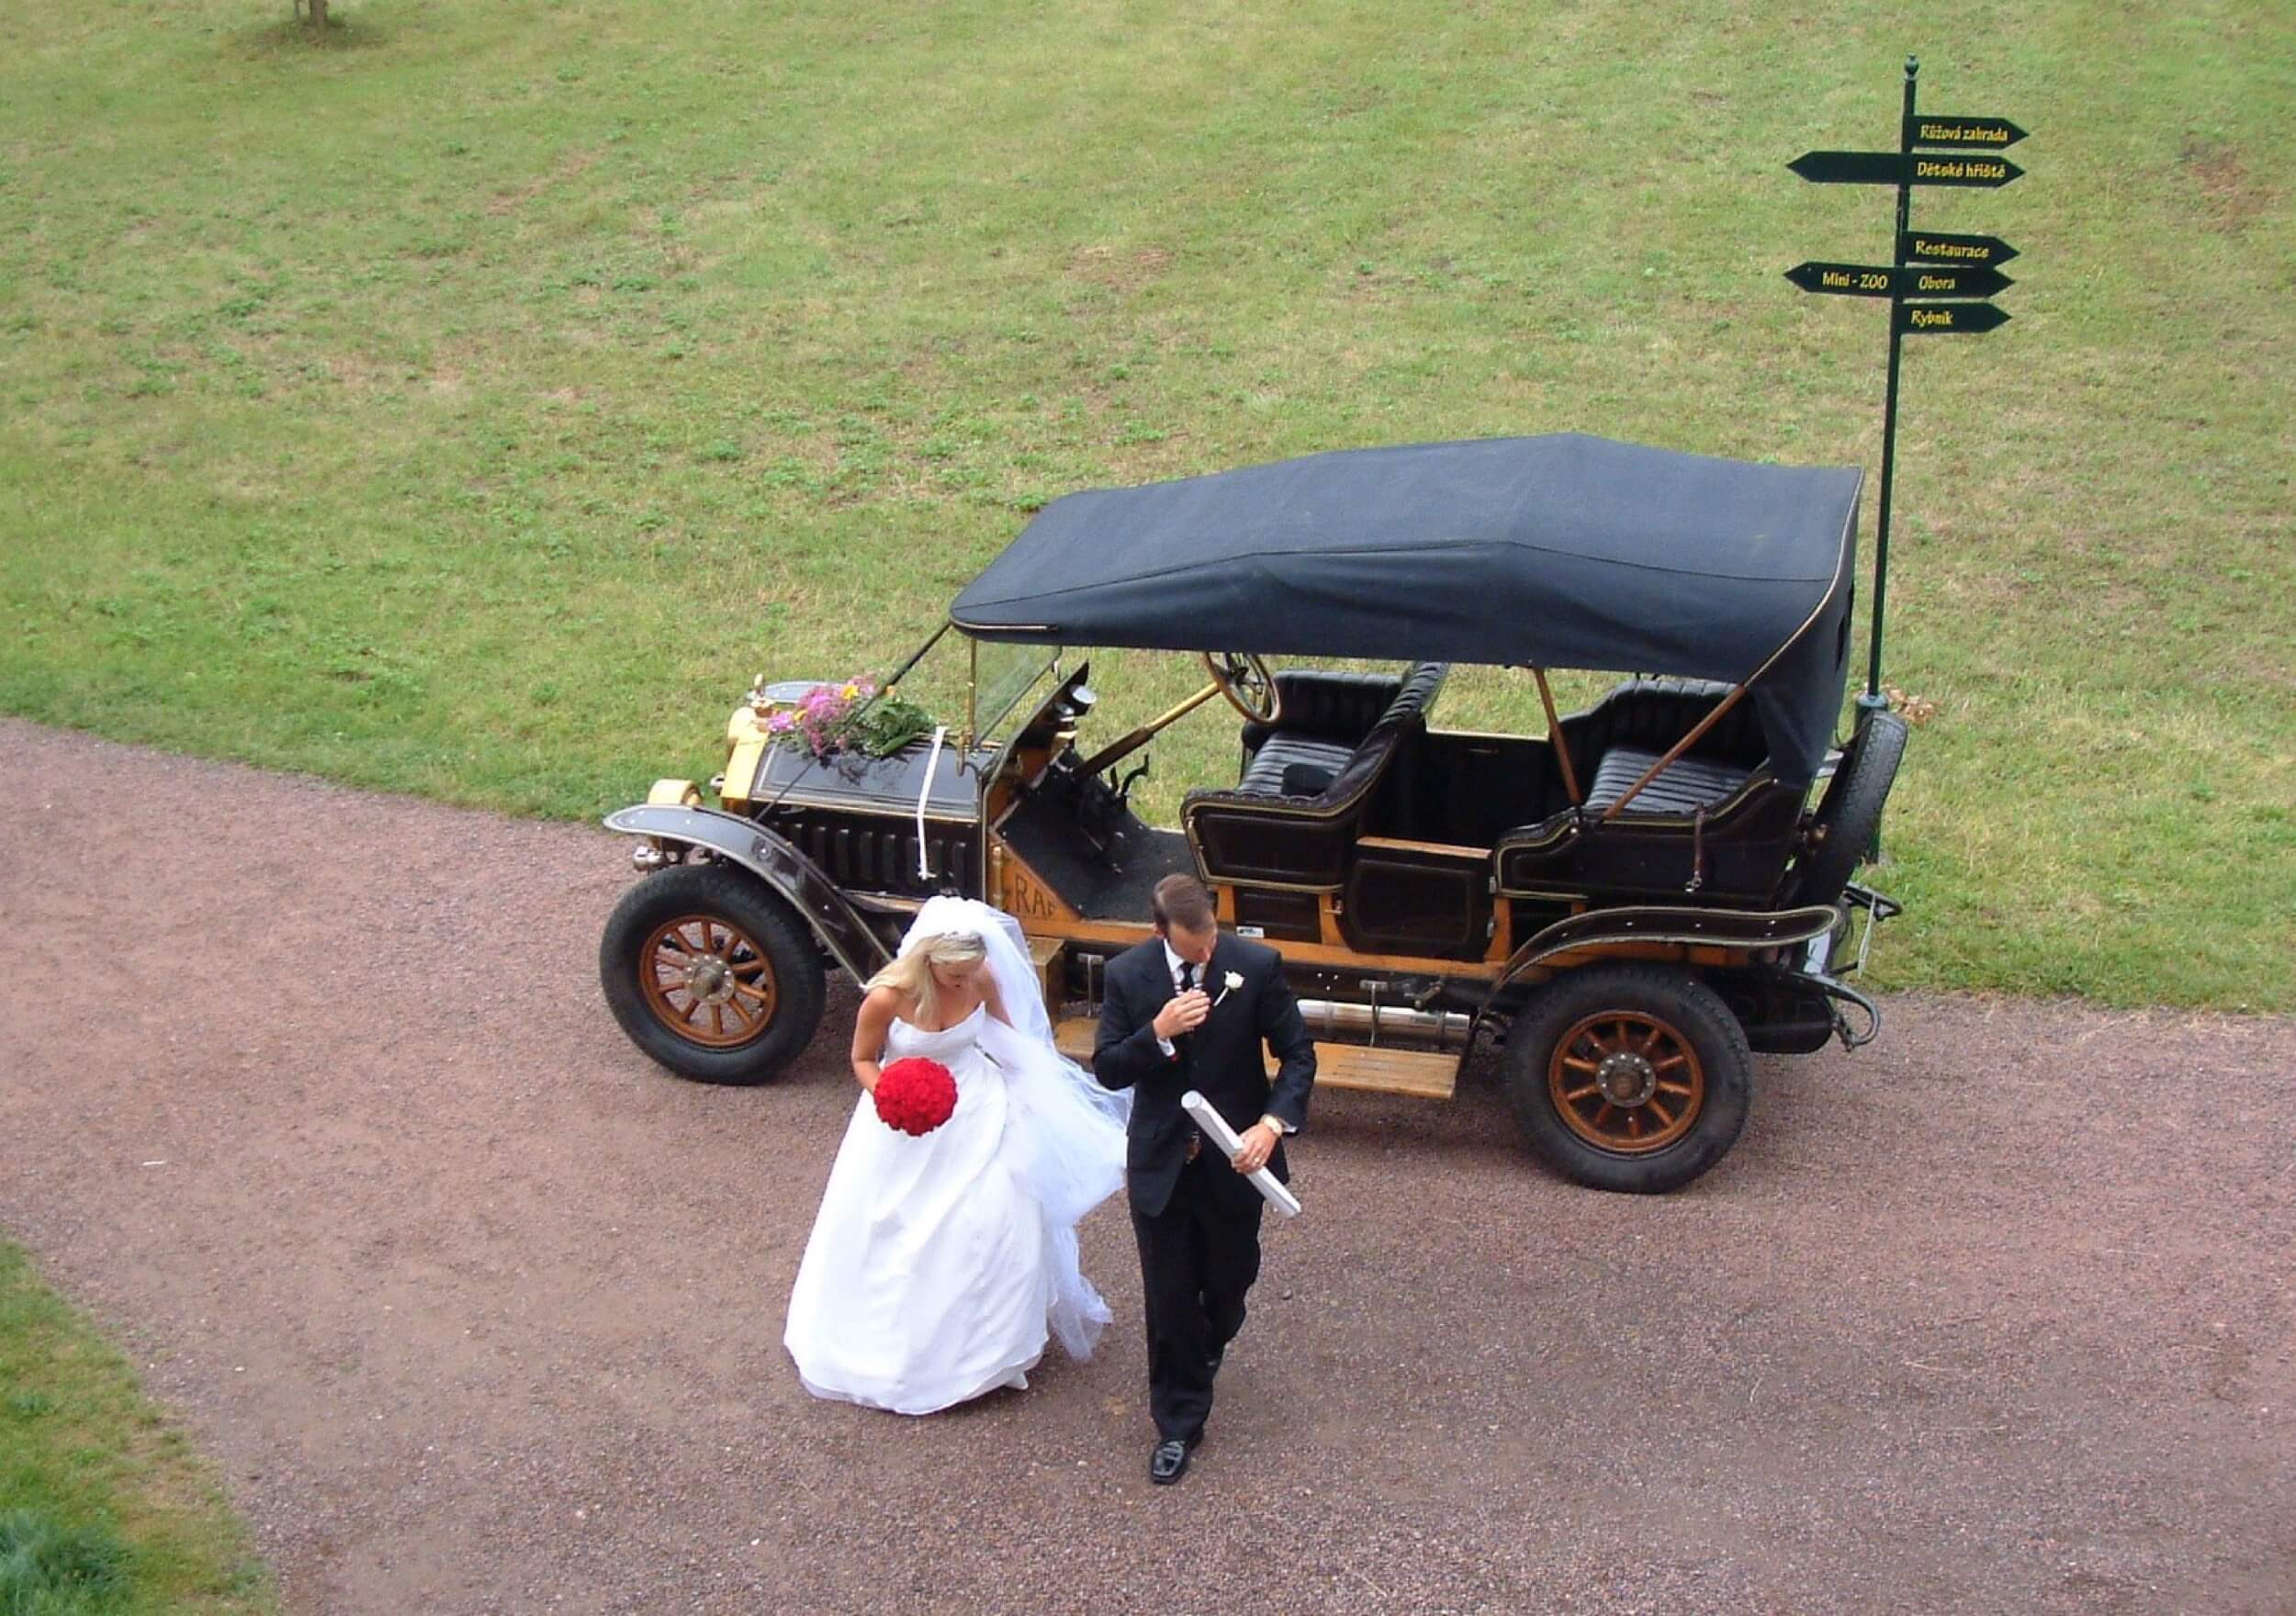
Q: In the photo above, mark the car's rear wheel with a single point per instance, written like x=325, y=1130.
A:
x=710, y=974
x=1628, y=1077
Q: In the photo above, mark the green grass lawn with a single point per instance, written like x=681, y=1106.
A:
x=103, y=1509
x=472, y=405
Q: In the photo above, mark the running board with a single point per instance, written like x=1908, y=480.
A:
x=1416, y=1073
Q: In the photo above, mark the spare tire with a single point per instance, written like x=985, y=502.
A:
x=1849, y=816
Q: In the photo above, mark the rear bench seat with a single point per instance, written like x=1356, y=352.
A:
x=1687, y=785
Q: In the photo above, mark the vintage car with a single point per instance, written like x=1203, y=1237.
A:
x=1631, y=903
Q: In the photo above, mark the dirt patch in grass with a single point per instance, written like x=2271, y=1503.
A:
x=2234, y=196
x=1119, y=269
x=569, y=167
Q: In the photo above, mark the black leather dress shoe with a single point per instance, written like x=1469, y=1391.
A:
x=1219, y=1357
x=1168, y=1463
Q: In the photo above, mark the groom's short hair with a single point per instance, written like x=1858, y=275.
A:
x=1182, y=901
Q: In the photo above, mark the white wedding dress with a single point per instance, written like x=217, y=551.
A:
x=939, y=1265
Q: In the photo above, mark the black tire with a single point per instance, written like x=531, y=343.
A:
x=1849, y=815
x=721, y=929
x=1697, y=1045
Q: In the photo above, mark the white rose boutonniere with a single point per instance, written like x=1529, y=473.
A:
x=1233, y=981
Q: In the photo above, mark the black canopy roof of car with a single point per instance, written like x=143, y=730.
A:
x=1564, y=551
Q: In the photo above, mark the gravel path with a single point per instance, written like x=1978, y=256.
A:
x=310, y=1094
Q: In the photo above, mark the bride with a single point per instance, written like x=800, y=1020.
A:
x=939, y=1265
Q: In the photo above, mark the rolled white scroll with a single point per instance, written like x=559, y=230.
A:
x=1217, y=1130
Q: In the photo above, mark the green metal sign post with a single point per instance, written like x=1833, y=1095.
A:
x=1955, y=151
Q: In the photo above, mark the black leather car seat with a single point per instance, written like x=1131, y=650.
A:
x=1271, y=830
x=1684, y=786
x=1309, y=748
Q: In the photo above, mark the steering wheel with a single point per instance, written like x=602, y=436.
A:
x=1243, y=678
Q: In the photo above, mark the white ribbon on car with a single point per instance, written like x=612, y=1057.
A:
x=925, y=869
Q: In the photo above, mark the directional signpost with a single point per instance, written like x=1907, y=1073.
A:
x=1893, y=168
x=1851, y=168
x=1922, y=280
x=1949, y=316
x=1880, y=280
x=1933, y=274
x=1990, y=134
x=1935, y=247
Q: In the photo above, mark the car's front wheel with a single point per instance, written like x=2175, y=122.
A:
x=1628, y=1077
x=711, y=975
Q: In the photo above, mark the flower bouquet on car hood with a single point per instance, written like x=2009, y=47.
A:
x=829, y=717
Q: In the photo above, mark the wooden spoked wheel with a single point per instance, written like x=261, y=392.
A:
x=1626, y=1081
x=1631, y=1076
x=707, y=981
x=712, y=973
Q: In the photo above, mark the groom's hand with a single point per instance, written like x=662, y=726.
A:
x=1255, y=1146
x=1182, y=1013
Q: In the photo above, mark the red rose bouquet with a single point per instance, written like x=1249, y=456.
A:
x=915, y=1094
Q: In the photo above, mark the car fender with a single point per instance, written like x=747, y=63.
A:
x=1659, y=923
x=772, y=860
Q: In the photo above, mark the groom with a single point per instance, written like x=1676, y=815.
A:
x=1190, y=1009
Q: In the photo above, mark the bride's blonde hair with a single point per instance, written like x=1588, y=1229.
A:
x=912, y=970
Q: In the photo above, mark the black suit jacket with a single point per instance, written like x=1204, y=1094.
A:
x=1222, y=1058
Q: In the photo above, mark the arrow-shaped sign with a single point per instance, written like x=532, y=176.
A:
x=1921, y=280
x=1851, y=168
x=1890, y=168
x=1879, y=280
x=1989, y=172
x=1951, y=316
x=1967, y=133
x=1933, y=247
x=1843, y=280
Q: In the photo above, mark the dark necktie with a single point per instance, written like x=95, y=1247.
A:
x=1188, y=984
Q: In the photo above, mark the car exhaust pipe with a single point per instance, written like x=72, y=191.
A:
x=1439, y=1030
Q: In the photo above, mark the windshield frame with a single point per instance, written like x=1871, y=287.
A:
x=988, y=705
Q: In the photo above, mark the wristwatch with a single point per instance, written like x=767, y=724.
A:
x=1276, y=1124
